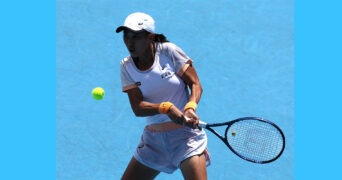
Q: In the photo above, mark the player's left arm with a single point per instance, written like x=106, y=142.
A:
x=190, y=77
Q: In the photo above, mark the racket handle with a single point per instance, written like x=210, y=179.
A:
x=202, y=124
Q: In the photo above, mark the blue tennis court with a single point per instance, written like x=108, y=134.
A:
x=244, y=55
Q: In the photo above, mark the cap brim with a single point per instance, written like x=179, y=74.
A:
x=121, y=28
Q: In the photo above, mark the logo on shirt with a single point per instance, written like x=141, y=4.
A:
x=166, y=72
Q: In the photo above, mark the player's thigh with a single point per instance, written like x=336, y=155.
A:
x=194, y=168
x=136, y=171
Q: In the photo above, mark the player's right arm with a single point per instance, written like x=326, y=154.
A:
x=143, y=108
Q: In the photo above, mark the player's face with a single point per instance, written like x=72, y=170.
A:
x=137, y=43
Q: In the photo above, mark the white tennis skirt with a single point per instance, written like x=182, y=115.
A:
x=165, y=151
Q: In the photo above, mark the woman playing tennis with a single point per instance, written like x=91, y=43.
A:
x=162, y=85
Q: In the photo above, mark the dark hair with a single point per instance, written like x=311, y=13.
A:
x=160, y=38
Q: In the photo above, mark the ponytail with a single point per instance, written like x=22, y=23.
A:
x=160, y=38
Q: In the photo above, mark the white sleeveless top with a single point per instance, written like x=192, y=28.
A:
x=161, y=82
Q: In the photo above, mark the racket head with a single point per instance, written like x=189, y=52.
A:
x=255, y=139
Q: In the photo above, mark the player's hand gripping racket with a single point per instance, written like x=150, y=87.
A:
x=253, y=139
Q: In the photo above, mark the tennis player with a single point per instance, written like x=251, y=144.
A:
x=162, y=85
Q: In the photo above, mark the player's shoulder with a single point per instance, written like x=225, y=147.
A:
x=166, y=47
x=125, y=61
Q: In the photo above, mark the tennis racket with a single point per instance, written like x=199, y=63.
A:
x=251, y=138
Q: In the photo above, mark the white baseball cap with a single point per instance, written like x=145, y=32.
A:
x=138, y=21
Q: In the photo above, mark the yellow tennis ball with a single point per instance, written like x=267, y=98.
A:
x=233, y=133
x=98, y=93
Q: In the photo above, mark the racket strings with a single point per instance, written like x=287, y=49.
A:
x=255, y=140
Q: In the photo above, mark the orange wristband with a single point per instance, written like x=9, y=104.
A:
x=190, y=105
x=164, y=107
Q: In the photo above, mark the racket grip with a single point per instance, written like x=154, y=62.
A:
x=199, y=127
x=202, y=124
